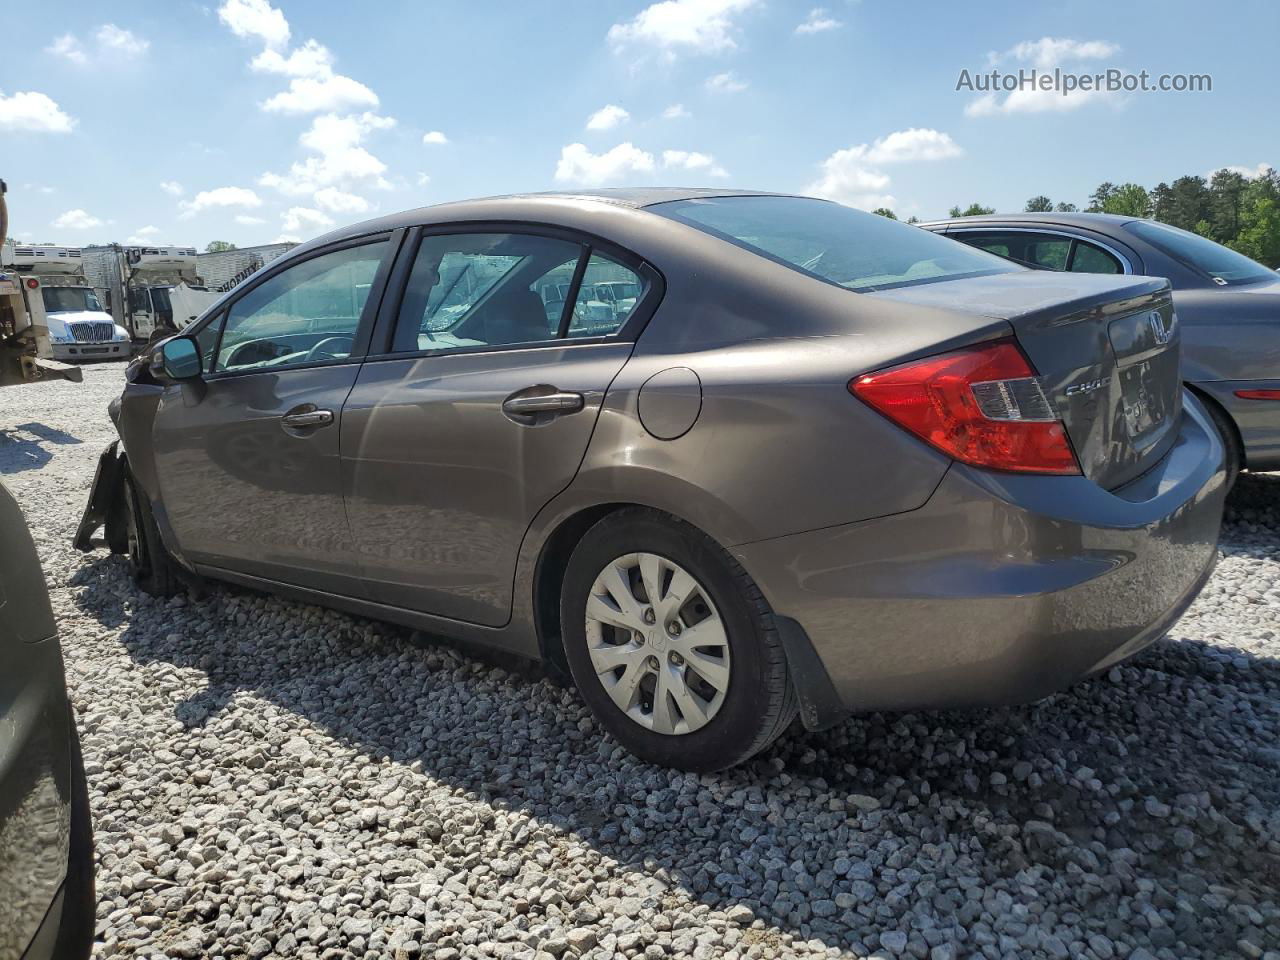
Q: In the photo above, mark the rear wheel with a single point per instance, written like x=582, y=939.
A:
x=672, y=645
x=149, y=563
x=1233, y=451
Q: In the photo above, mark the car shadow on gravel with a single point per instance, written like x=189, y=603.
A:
x=1145, y=800
x=22, y=447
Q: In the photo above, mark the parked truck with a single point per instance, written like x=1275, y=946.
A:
x=54, y=286
x=151, y=291
x=26, y=353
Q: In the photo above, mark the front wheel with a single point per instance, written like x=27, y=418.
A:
x=149, y=563
x=672, y=645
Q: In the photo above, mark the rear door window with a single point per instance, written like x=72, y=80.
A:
x=471, y=291
x=608, y=296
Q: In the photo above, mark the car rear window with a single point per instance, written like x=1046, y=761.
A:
x=1221, y=263
x=835, y=243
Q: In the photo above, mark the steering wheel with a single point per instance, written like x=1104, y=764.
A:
x=323, y=350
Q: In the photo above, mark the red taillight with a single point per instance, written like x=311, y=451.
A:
x=981, y=406
x=1258, y=394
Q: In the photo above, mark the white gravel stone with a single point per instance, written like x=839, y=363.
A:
x=272, y=779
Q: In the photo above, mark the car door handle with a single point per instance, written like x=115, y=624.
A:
x=528, y=405
x=308, y=418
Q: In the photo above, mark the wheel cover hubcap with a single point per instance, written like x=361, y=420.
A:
x=657, y=644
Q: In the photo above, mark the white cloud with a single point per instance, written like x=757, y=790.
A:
x=675, y=112
x=423, y=179
x=335, y=137
x=76, y=220
x=172, y=187
x=312, y=59
x=728, y=82
x=853, y=176
x=690, y=160
x=847, y=179
x=917, y=143
x=313, y=95
x=1044, y=54
x=673, y=26
x=255, y=19
x=247, y=220
x=69, y=48
x=818, y=21
x=113, y=43
x=1049, y=52
x=434, y=137
x=339, y=201
x=220, y=197
x=1249, y=173
x=341, y=157
x=297, y=219
x=122, y=42
x=607, y=117
x=144, y=235
x=34, y=112
x=579, y=165
x=313, y=85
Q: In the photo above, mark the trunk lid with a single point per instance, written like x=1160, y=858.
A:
x=1106, y=349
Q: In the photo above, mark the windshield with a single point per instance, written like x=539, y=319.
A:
x=1221, y=263
x=70, y=299
x=835, y=243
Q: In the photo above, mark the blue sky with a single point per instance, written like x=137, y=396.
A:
x=246, y=120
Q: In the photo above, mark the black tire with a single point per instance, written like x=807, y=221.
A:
x=759, y=703
x=1233, y=453
x=149, y=563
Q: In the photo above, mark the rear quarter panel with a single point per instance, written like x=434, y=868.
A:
x=780, y=444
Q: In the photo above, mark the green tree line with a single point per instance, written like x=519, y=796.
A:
x=1240, y=212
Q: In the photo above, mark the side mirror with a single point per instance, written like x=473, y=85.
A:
x=180, y=359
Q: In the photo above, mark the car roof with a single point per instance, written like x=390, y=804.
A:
x=528, y=206
x=1049, y=218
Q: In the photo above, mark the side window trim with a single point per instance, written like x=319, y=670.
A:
x=383, y=335
x=360, y=345
x=1126, y=261
x=571, y=295
x=221, y=318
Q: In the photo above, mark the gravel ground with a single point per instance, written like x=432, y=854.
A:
x=272, y=779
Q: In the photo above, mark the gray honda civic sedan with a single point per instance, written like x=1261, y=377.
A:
x=812, y=462
x=1227, y=304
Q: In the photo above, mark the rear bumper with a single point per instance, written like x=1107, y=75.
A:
x=1002, y=588
x=1257, y=420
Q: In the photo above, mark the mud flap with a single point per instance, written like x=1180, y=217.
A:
x=103, y=495
x=820, y=705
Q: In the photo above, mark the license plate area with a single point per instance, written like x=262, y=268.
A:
x=1146, y=346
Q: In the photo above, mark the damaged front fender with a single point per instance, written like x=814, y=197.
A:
x=106, y=504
